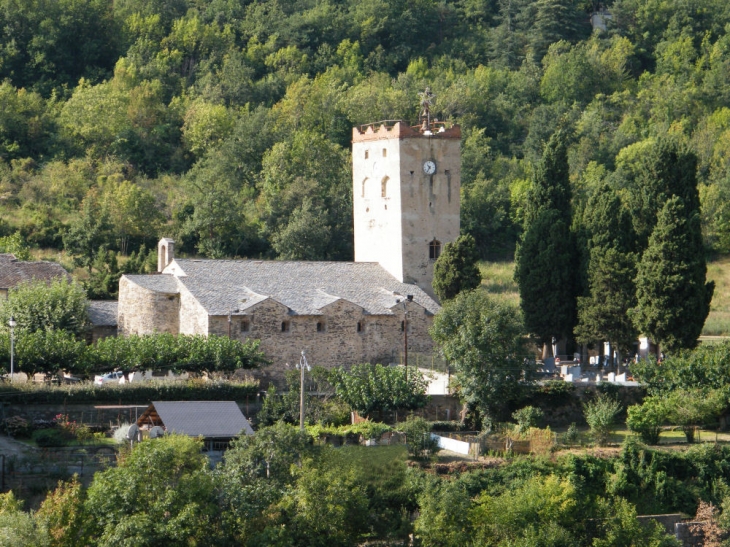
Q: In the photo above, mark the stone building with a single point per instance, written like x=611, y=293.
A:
x=406, y=184
x=13, y=272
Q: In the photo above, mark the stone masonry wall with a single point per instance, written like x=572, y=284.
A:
x=338, y=342
x=142, y=311
x=193, y=317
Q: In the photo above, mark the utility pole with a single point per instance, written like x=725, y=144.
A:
x=301, y=366
x=409, y=298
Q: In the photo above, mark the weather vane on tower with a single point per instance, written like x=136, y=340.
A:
x=426, y=100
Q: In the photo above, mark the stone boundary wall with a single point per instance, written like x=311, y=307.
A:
x=561, y=408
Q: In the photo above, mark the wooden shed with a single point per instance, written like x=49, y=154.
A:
x=218, y=422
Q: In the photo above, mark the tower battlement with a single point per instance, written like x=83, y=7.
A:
x=399, y=129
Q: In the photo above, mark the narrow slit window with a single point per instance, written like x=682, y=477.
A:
x=385, y=152
x=320, y=326
x=367, y=154
x=360, y=326
x=363, y=187
x=402, y=326
x=384, y=187
x=285, y=326
x=434, y=250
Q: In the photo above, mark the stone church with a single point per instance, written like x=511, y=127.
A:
x=406, y=183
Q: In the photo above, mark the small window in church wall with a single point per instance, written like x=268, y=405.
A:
x=402, y=326
x=385, y=152
x=285, y=326
x=360, y=326
x=434, y=250
x=367, y=154
x=363, y=186
x=321, y=327
x=384, y=187
x=245, y=325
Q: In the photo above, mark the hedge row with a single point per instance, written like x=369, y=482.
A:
x=86, y=393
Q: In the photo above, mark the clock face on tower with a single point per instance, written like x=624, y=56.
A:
x=429, y=167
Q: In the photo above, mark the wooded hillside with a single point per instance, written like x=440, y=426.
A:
x=225, y=124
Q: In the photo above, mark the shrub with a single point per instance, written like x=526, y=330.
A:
x=526, y=418
x=49, y=437
x=120, y=434
x=691, y=409
x=646, y=420
x=418, y=437
x=600, y=414
x=452, y=425
x=572, y=435
x=17, y=427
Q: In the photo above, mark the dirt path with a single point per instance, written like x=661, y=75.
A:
x=11, y=447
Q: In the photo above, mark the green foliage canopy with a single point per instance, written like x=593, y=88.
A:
x=367, y=388
x=485, y=342
x=456, y=269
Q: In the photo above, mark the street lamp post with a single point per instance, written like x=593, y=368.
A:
x=12, y=324
x=301, y=366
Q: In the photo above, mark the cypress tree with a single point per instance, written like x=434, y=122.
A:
x=673, y=296
x=544, y=272
x=603, y=313
x=546, y=261
x=456, y=269
x=667, y=169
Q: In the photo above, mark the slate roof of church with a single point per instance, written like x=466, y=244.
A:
x=211, y=419
x=304, y=287
x=14, y=271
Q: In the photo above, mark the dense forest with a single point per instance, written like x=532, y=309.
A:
x=226, y=123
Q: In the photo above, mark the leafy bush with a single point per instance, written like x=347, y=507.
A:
x=367, y=388
x=49, y=437
x=646, y=419
x=120, y=434
x=691, y=409
x=526, y=418
x=448, y=426
x=48, y=351
x=572, y=435
x=366, y=428
x=601, y=414
x=418, y=437
x=17, y=427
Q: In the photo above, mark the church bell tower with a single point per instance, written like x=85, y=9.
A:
x=406, y=200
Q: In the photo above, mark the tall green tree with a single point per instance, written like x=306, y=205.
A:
x=547, y=258
x=484, y=341
x=37, y=305
x=610, y=239
x=673, y=294
x=175, y=505
x=665, y=169
x=456, y=269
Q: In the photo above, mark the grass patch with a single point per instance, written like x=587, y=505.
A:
x=497, y=280
x=718, y=322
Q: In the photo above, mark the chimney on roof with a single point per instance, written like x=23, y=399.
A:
x=165, y=253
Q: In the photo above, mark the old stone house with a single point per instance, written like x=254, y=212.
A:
x=13, y=272
x=406, y=184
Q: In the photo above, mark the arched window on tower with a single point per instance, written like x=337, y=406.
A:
x=384, y=187
x=363, y=186
x=434, y=249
